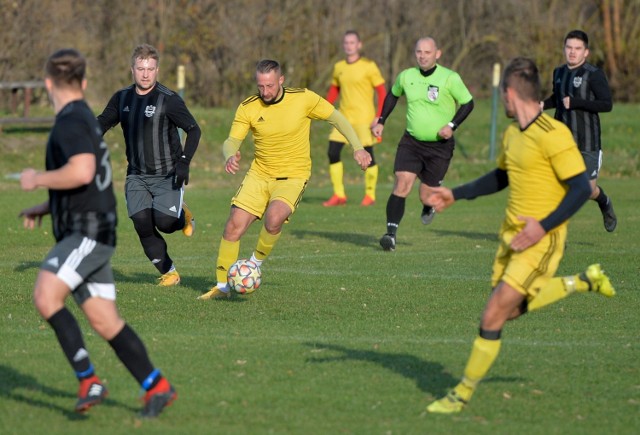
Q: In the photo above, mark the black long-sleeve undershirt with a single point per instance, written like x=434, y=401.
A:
x=496, y=180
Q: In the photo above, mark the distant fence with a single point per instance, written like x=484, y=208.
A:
x=26, y=87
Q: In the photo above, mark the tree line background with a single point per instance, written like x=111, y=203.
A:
x=219, y=41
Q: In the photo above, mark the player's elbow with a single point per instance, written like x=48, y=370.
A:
x=583, y=188
x=85, y=176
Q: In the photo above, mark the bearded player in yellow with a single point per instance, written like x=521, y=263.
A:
x=547, y=180
x=354, y=80
x=280, y=119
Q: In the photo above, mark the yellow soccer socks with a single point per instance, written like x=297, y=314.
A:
x=227, y=255
x=336, y=172
x=370, y=182
x=483, y=353
x=265, y=244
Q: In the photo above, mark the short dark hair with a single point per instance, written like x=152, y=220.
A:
x=352, y=32
x=66, y=67
x=267, y=65
x=578, y=34
x=521, y=74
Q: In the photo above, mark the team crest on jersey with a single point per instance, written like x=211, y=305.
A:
x=149, y=111
x=577, y=81
x=433, y=92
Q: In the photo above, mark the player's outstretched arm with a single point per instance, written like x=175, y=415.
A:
x=531, y=234
x=363, y=158
x=32, y=216
x=440, y=198
x=231, y=153
x=232, y=166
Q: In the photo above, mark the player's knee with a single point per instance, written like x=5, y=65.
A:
x=106, y=326
x=41, y=303
x=232, y=231
x=143, y=223
x=45, y=304
x=166, y=223
x=402, y=190
x=273, y=228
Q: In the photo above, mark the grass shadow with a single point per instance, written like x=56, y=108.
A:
x=26, y=265
x=137, y=277
x=364, y=240
x=473, y=235
x=13, y=382
x=430, y=377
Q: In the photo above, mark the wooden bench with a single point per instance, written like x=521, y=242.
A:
x=27, y=88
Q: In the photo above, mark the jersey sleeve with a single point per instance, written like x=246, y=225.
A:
x=110, y=116
x=602, y=101
x=563, y=153
x=240, y=125
x=334, y=76
x=375, y=75
x=397, y=89
x=458, y=89
x=319, y=107
x=179, y=114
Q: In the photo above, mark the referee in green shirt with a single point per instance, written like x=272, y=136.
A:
x=437, y=103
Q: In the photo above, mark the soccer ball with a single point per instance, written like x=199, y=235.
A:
x=244, y=276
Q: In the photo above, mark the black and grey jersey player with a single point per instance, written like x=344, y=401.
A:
x=150, y=114
x=580, y=93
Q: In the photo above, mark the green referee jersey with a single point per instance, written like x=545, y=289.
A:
x=431, y=101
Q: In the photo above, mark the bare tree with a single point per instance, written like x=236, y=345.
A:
x=219, y=42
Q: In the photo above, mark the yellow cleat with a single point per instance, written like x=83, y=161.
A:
x=215, y=293
x=169, y=279
x=189, y=221
x=598, y=281
x=449, y=404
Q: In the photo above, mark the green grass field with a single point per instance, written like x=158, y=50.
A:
x=341, y=337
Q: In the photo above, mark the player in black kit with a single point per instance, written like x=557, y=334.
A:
x=83, y=211
x=158, y=165
x=580, y=92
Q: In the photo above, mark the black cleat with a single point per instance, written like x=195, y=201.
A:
x=428, y=215
x=388, y=242
x=609, y=217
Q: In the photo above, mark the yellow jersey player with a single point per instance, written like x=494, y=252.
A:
x=545, y=172
x=279, y=119
x=354, y=80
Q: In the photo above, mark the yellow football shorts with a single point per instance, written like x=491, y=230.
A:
x=256, y=193
x=362, y=130
x=530, y=270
